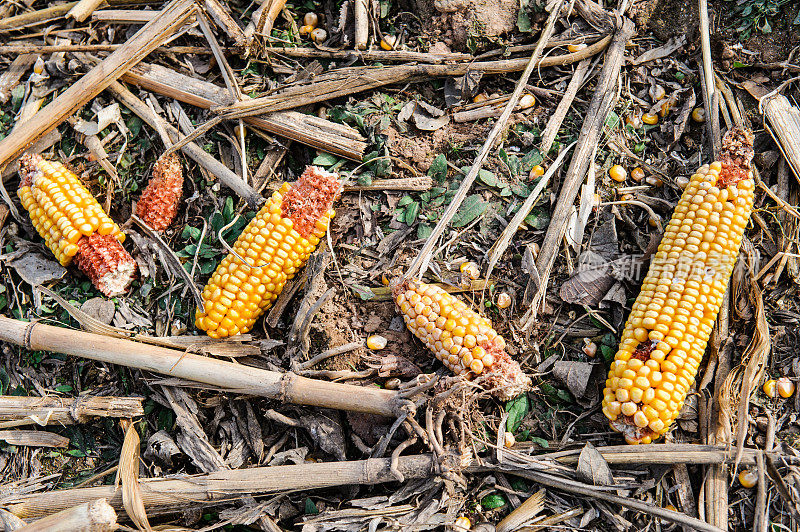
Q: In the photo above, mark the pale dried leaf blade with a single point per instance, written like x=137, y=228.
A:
x=128, y=475
x=87, y=322
x=593, y=468
x=575, y=375
x=522, y=515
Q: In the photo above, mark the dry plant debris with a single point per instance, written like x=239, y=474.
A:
x=501, y=172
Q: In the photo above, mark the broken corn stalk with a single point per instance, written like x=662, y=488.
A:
x=74, y=225
x=461, y=339
x=158, y=205
x=270, y=250
x=670, y=323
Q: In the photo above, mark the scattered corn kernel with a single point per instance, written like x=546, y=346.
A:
x=389, y=42
x=392, y=384
x=576, y=47
x=649, y=119
x=634, y=121
x=509, y=440
x=654, y=181
x=653, y=221
x=665, y=107
x=377, y=342
x=682, y=181
x=503, y=300
x=461, y=339
x=637, y=174
x=384, y=279
x=536, y=171
x=275, y=245
x=770, y=389
x=699, y=115
x=306, y=29
x=319, y=35
x=462, y=524
x=589, y=348
x=471, y=270
x=311, y=19
x=527, y=101
x=480, y=98
x=38, y=65
x=657, y=92
x=748, y=478
x=73, y=225
x=785, y=387
x=671, y=508
x=670, y=322
x=618, y=173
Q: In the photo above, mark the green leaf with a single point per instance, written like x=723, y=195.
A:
x=487, y=178
x=412, y=212
x=521, y=189
x=76, y=453
x=438, y=169
x=537, y=219
x=424, y=231
x=227, y=211
x=405, y=200
x=541, y=442
x=192, y=233
x=612, y=120
x=472, y=207
x=506, y=192
x=531, y=159
x=608, y=353
x=64, y=388
x=517, y=409
x=363, y=292
x=311, y=508
x=325, y=159
x=492, y=501
x=365, y=179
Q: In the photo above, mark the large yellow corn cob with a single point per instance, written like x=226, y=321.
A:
x=670, y=323
x=275, y=245
x=460, y=338
x=74, y=225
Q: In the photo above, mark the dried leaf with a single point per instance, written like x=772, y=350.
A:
x=161, y=445
x=100, y=308
x=326, y=431
x=662, y=51
x=33, y=438
x=575, y=375
x=128, y=475
x=593, y=468
x=36, y=269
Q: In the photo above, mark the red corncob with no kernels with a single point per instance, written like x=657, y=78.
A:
x=74, y=225
x=158, y=205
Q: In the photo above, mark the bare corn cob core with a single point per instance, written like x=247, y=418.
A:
x=670, y=323
x=461, y=339
x=74, y=225
x=158, y=205
x=275, y=245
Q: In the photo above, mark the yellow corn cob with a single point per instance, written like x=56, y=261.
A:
x=460, y=338
x=60, y=207
x=74, y=225
x=670, y=323
x=275, y=245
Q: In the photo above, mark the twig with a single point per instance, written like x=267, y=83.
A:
x=236, y=377
x=420, y=263
x=556, y=119
x=310, y=363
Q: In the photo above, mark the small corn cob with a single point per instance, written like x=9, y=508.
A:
x=460, y=338
x=158, y=205
x=74, y=225
x=275, y=244
x=670, y=323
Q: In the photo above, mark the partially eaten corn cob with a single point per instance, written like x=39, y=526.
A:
x=670, y=323
x=460, y=338
x=270, y=250
x=158, y=205
x=74, y=225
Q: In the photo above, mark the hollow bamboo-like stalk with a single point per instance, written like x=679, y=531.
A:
x=361, y=13
x=238, y=378
x=83, y=9
x=160, y=495
x=17, y=411
x=98, y=78
x=93, y=516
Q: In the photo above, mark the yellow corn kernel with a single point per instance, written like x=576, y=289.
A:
x=527, y=101
x=589, y=348
x=376, y=342
x=480, y=98
x=667, y=331
x=649, y=119
x=748, y=478
x=617, y=173
x=576, y=47
x=537, y=171
x=388, y=42
x=462, y=524
x=471, y=270
x=637, y=174
x=306, y=29
x=503, y=300
x=311, y=19
x=509, y=440
x=785, y=387
x=274, y=246
x=459, y=337
x=699, y=115
x=319, y=35
x=769, y=388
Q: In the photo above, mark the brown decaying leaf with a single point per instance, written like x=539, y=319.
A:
x=575, y=375
x=593, y=468
x=128, y=475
